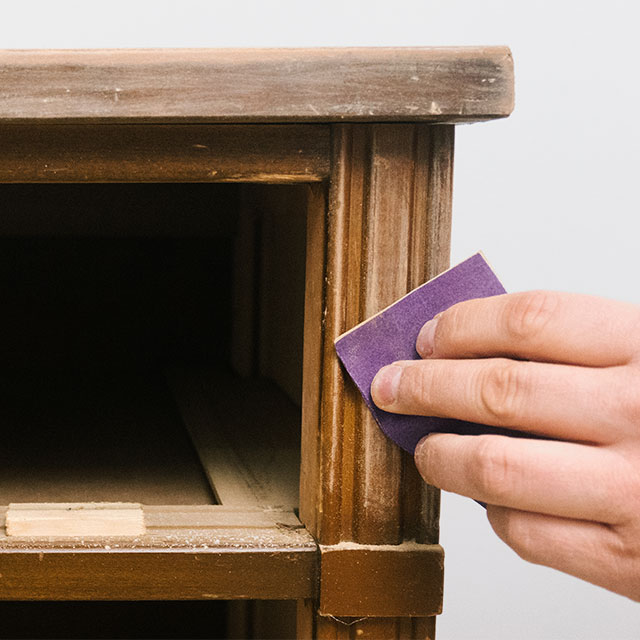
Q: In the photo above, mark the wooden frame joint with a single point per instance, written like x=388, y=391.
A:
x=381, y=580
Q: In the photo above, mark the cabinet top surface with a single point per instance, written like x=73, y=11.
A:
x=430, y=84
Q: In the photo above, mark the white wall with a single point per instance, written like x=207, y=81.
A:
x=549, y=195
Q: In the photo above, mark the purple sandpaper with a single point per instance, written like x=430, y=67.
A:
x=391, y=335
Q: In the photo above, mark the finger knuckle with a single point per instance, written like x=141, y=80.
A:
x=501, y=389
x=492, y=470
x=624, y=481
x=451, y=325
x=416, y=385
x=621, y=396
x=527, y=314
x=621, y=547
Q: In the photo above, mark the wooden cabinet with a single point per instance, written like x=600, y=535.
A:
x=184, y=234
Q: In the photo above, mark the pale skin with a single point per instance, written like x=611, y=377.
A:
x=563, y=366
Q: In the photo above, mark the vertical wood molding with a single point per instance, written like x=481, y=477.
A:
x=385, y=230
x=312, y=358
x=429, y=256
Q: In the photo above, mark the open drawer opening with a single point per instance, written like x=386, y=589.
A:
x=151, y=344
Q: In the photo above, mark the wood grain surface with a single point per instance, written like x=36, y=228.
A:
x=246, y=433
x=381, y=580
x=436, y=84
x=384, y=230
x=387, y=230
x=199, y=552
x=158, y=153
x=75, y=519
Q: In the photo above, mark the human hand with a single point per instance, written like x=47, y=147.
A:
x=562, y=366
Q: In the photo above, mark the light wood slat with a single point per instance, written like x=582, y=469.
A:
x=75, y=519
x=445, y=84
x=247, y=434
x=156, y=153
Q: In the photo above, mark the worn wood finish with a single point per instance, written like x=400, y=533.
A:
x=438, y=84
x=314, y=319
x=385, y=230
x=246, y=433
x=377, y=225
x=307, y=620
x=156, y=153
x=187, y=553
x=153, y=575
x=381, y=580
x=386, y=181
x=190, y=528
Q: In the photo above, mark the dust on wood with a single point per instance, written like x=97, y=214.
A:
x=75, y=520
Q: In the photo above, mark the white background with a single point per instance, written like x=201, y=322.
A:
x=550, y=195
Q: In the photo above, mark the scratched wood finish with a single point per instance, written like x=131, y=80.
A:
x=153, y=575
x=158, y=153
x=441, y=84
x=386, y=229
x=312, y=379
x=187, y=553
x=378, y=224
x=381, y=580
x=381, y=241
x=186, y=528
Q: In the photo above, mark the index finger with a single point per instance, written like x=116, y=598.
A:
x=538, y=325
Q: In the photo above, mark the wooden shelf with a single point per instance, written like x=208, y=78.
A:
x=188, y=553
x=95, y=436
x=250, y=546
x=119, y=436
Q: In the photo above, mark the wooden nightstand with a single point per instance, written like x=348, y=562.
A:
x=184, y=233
